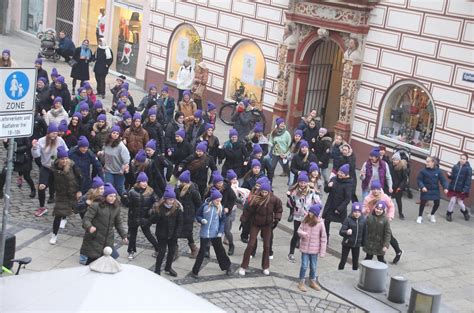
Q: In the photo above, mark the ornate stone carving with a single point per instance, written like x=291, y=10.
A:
x=283, y=74
x=349, y=88
x=340, y=15
x=290, y=37
x=304, y=31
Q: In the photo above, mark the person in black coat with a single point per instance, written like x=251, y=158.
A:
x=258, y=153
x=354, y=233
x=154, y=129
x=250, y=178
x=302, y=160
x=187, y=193
x=142, y=164
x=80, y=70
x=168, y=103
x=75, y=129
x=212, y=141
x=61, y=90
x=340, y=190
x=172, y=128
x=199, y=165
x=179, y=151
x=245, y=117
x=103, y=59
x=459, y=187
x=43, y=99
x=139, y=200
x=196, y=129
x=347, y=157
x=162, y=165
x=310, y=133
x=168, y=217
x=322, y=150
x=86, y=161
x=234, y=153
x=399, y=172
x=66, y=46
x=40, y=71
x=22, y=164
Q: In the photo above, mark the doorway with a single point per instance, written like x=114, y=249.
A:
x=324, y=83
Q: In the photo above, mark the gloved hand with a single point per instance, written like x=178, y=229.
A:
x=203, y=221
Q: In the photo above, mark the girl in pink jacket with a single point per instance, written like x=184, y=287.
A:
x=376, y=194
x=313, y=243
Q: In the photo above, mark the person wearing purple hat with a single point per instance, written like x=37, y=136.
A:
x=67, y=179
x=316, y=182
x=116, y=159
x=139, y=200
x=99, y=133
x=378, y=233
x=196, y=128
x=185, y=78
x=256, y=137
x=149, y=100
x=46, y=149
x=60, y=89
x=187, y=194
x=6, y=60
x=90, y=94
x=300, y=198
x=340, y=189
x=210, y=115
x=211, y=216
x=321, y=147
x=199, y=87
x=375, y=169
x=79, y=99
x=173, y=126
x=347, y=158
x=135, y=137
x=251, y=177
x=168, y=103
x=188, y=107
x=57, y=112
x=294, y=149
x=168, y=217
x=160, y=162
x=280, y=139
x=70, y=133
x=301, y=160
x=354, y=234
x=234, y=153
x=54, y=74
x=80, y=71
x=125, y=122
x=92, y=195
x=99, y=222
x=40, y=71
x=269, y=208
x=97, y=110
x=177, y=152
x=125, y=96
x=43, y=98
x=199, y=163
x=212, y=141
x=103, y=57
x=313, y=245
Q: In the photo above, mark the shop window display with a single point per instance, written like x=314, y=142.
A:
x=32, y=16
x=408, y=116
x=184, y=44
x=246, y=72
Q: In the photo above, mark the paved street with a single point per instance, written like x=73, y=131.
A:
x=438, y=254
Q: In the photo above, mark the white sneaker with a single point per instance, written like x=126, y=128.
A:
x=419, y=219
x=63, y=223
x=266, y=272
x=241, y=271
x=432, y=218
x=131, y=255
x=54, y=239
x=271, y=257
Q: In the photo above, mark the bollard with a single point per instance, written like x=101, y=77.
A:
x=373, y=276
x=424, y=299
x=397, y=289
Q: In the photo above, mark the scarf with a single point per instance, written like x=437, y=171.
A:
x=180, y=125
x=85, y=52
x=56, y=112
x=108, y=52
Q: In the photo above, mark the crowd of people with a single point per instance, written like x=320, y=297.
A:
x=161, y=159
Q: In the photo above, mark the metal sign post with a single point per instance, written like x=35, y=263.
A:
x=17, y=104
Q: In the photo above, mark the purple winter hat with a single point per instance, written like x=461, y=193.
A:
x=279, y=120
x=121, y=105
x=137, y=116
x=54, y=72
x=152, y=86
x=86, y=85
x=217, y=177
x=109, y=189
x=43, y=79
x=298, y=132
x=151, y=144
x=151, y=112
x=140, y=156
x=97, y=182
x=257, y=149
x=60, y=79
x=58, y=99
x=198, y=114
x=78, y=115
x=313, y=166
x=356, y=207
x=181, y=133
x=62, y=127
x=246, y=102
x=39, y=61
x=211, y=106
x=231, y=175
x=6, y=51
x=62, y=153
x=126, y=115
x=101, y=117
x=165, y=89
x=209, y=126
x=323, y=130
x=315, y=209
x=304, y=143
x=202, y=146
x=83, y=142
x=52, y=128
x=263, y=179
x=258, y=128
x=303, y=177
x=124, y=92
x=256, y=163
x=185, y=176
x=345, y=169
x=265, y=186
x=169, y=192
x=186, y=93
x=80, y=89
x=381, y=205
x=233, y=132
x=375, y=185
x=98, y=105
x=116, y=129
x=83, y=106
x=215, y=194
x=375, y=152
x=125, y=86
x=142, y=177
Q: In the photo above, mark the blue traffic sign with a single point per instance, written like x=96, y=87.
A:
x=17, y=85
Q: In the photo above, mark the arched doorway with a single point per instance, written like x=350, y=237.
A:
x=324, y=83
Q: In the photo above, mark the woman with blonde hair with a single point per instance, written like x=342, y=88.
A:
x=201, y=76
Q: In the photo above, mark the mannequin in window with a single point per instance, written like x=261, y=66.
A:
x=199, y=85
x=185, y=78
x=353, y=53
x=100, y=28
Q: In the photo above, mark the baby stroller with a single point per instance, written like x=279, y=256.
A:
x=48, y=45
x=405, y=154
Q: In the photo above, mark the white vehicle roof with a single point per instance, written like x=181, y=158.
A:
x=79, y=289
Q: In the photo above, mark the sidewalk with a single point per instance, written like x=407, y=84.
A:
x=439, y=254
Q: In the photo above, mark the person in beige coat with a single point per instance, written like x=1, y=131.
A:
x=199, y=85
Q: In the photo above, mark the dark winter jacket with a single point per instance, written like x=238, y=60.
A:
x=322, y=149
x=263, y=215
x=399, y=175
x=43, y=99
x=104, y=217
x=228, y=196
x=191, y=201
x=80, y=70
x=251, y=180
x=310, y=135
x=235, y=155
x=139, y=202
x=155, y=131
x=378, y=234
x=169, y=105
x=179, y=152
x=170, y=134
x=245, y=121
x=460, y=178
x=66, y=185
x=199, y=168
x=73, y=133
x=212, y=149
x=67, y=44
x=102, y=64
x=169, y=221
x=87, y=163
x=195, y=131
x=266, y=167
x=64, y=94
x=358, y=238
x=97, y=142
x=335, y=209
x=22, y=159
x=301, y=162
x=161, y=163
x=336, y=151
x=40, y=127
x=41, y=72
x=430, y=178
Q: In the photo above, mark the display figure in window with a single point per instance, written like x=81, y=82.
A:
x=185, y=78
x=353, y=53
x=199, y=84
x=100, y=27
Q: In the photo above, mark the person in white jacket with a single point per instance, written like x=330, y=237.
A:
x=57, y=113
x=185, y=78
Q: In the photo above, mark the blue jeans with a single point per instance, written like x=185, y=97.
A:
x=117, y=180
x=313, y=263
